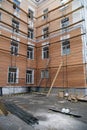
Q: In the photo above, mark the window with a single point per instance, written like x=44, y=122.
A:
x=30, y=14
x=45, y=52
x=16, y=3
x=44, y=74
x=63, y=1
x=14, y=48
x=65, y=22
x=30, y=33
x=66, y=47
x=45, y=32
x=30, y=76
x=12, y=75
x=15, y=25
x=30, y=52
x=45, y=14
x=0, y=15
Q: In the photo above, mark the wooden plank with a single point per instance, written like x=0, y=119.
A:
x=70, y=114
x=3, y=109
x=58, y=70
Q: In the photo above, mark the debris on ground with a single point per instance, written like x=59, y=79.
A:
x=3, y=109
x=25, y=116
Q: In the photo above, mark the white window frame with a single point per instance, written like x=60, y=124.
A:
x=28, y=51
x=0, y=3
x=15, y=26
x=65, y=24
x=17, y=10
x=44, y=74
x=31, y=16
x=47, y=55
x=30, y=24
x=14, y=48
x=31, y=8
x=31, y=32
x=45, y=14
x=13, y=73
x=67, y=51
x=43, y=33
x=28, y=76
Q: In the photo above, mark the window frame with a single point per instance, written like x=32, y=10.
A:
x=14, y=47
x=15, y=25
x=13, y=74
x=45, y=32
x=65, y=22
x=30, y=54
x=30, y=33
x=30, y=77
x=66, y=48
x=30, y=14
x=45, y=53
x=16, y=3
x=45, y=14
x=44, y=74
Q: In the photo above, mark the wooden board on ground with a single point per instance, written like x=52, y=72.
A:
x=83, y=99
x=70, y=114
x=3, y=109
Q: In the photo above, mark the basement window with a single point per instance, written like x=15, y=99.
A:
x=14, y=48
x=30, y=14
x=30, y=33
x=44, y=74
x=29, y=76
x=45, y=14
x=65, y=47
x=45, y=52
x=45, y=32
x=15, y=25
x=65, y=22
x=13, y=75
x=30, y=52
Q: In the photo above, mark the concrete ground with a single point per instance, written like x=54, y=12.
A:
x=39, y=106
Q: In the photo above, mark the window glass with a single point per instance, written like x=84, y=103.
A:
x=16, y=2
x=12, y=75
x=29, y=76
x=45, y=52
x=66, y=47
x=45, y=14
x=30, y=14
x=44, y=74
x=15, y=25
x=45, y=32
x=30, y=33
x=14, y=47
x=65, y=22
x=30, y=52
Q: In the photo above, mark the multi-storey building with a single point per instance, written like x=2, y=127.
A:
x=36, y=36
